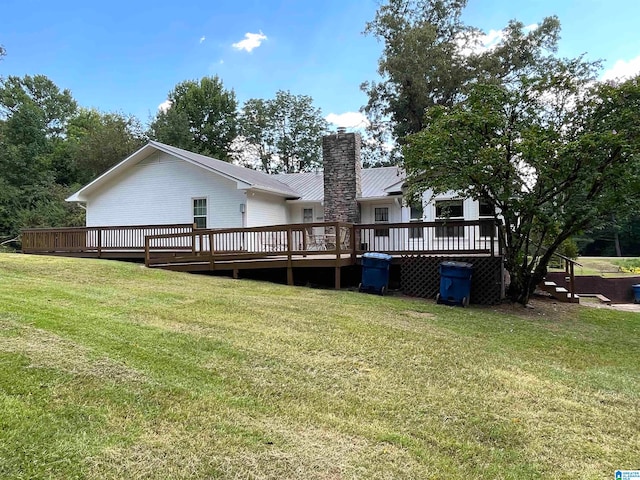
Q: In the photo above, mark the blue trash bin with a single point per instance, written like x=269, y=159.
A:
x=636, y=293
x=455, y=283
x=375, y=272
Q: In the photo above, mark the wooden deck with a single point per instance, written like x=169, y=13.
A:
x=309, y=245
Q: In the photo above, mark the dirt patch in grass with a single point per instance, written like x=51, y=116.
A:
x=539, y=306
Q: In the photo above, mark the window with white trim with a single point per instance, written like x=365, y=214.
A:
x=200, y=212
x=450, y=210
x=416, y=213
x=307, y=215
x=381, y=215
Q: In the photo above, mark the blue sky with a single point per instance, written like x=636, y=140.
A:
x=127, y=55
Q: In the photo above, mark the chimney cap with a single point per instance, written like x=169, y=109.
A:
x=342, y=130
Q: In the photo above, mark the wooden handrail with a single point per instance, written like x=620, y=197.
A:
x=287, y=240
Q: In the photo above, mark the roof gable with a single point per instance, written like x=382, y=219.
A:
x=244, y=177
x=304, y=186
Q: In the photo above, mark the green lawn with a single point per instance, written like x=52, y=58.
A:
x=110, y=370
x=607, y=266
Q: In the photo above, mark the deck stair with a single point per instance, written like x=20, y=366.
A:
x=559, y=293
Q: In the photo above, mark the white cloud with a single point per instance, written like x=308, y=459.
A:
x=202, y=38
x=485, y=42
x=251, y=41
x=164, y=106
x=623, y=70
x=348, y=120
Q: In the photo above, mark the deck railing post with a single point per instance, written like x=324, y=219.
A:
x=289, y=257
x=212, y=261
x=573, y=278
x=99, y=232
x=493, y=237
x=352, y=243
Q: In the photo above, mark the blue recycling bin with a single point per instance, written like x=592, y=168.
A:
x=455, y=283
x=636, y=293
x=375, y=272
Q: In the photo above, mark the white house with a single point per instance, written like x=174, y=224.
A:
x=161, y=184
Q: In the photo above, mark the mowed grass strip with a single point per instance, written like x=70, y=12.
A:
x=111, y=370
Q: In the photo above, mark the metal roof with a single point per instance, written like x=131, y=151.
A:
x=306, y=186
x=375, y=183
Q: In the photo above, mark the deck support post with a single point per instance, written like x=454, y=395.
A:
x=146, y=252
x=235, y=273
x=338, y=253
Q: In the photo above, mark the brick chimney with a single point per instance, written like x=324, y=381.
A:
x=342, y=188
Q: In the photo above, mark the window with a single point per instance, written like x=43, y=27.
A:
x=486, y=210
x=381, y=215
x=416, y=215
x=449, y=209
x=200, y=212
x=307, y=215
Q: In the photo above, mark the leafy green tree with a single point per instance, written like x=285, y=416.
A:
x=618, y=237
x=97, y=141
x=554, y=153
x=38, y=90
x=202, y=117
x=33, y=117
x=429, y=56
x=284, y=133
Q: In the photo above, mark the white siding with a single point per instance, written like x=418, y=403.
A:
x=265, y=209
x=160, y=190
x=296, y=210
x=367, y=210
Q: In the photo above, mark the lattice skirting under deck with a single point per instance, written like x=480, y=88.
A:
x=420, y=277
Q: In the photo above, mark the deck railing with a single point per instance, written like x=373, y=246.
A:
x=181, y=242
x=216, y=245
x=439, y=237
x=95, y=240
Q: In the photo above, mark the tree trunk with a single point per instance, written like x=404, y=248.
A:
x=616, y=240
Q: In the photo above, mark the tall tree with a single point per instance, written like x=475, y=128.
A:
x=34, y=114
x=429, y=56
x=202, y=117
x=284, y=133
x=553, y=154
x=39, y=91
x=97, y=141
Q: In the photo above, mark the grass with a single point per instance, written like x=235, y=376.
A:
x=109, y=370
x=607, y=266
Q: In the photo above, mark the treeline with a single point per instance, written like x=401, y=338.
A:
x=50, y=146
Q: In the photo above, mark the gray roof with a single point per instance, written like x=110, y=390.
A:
x=375, y=183
x=307, y=186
